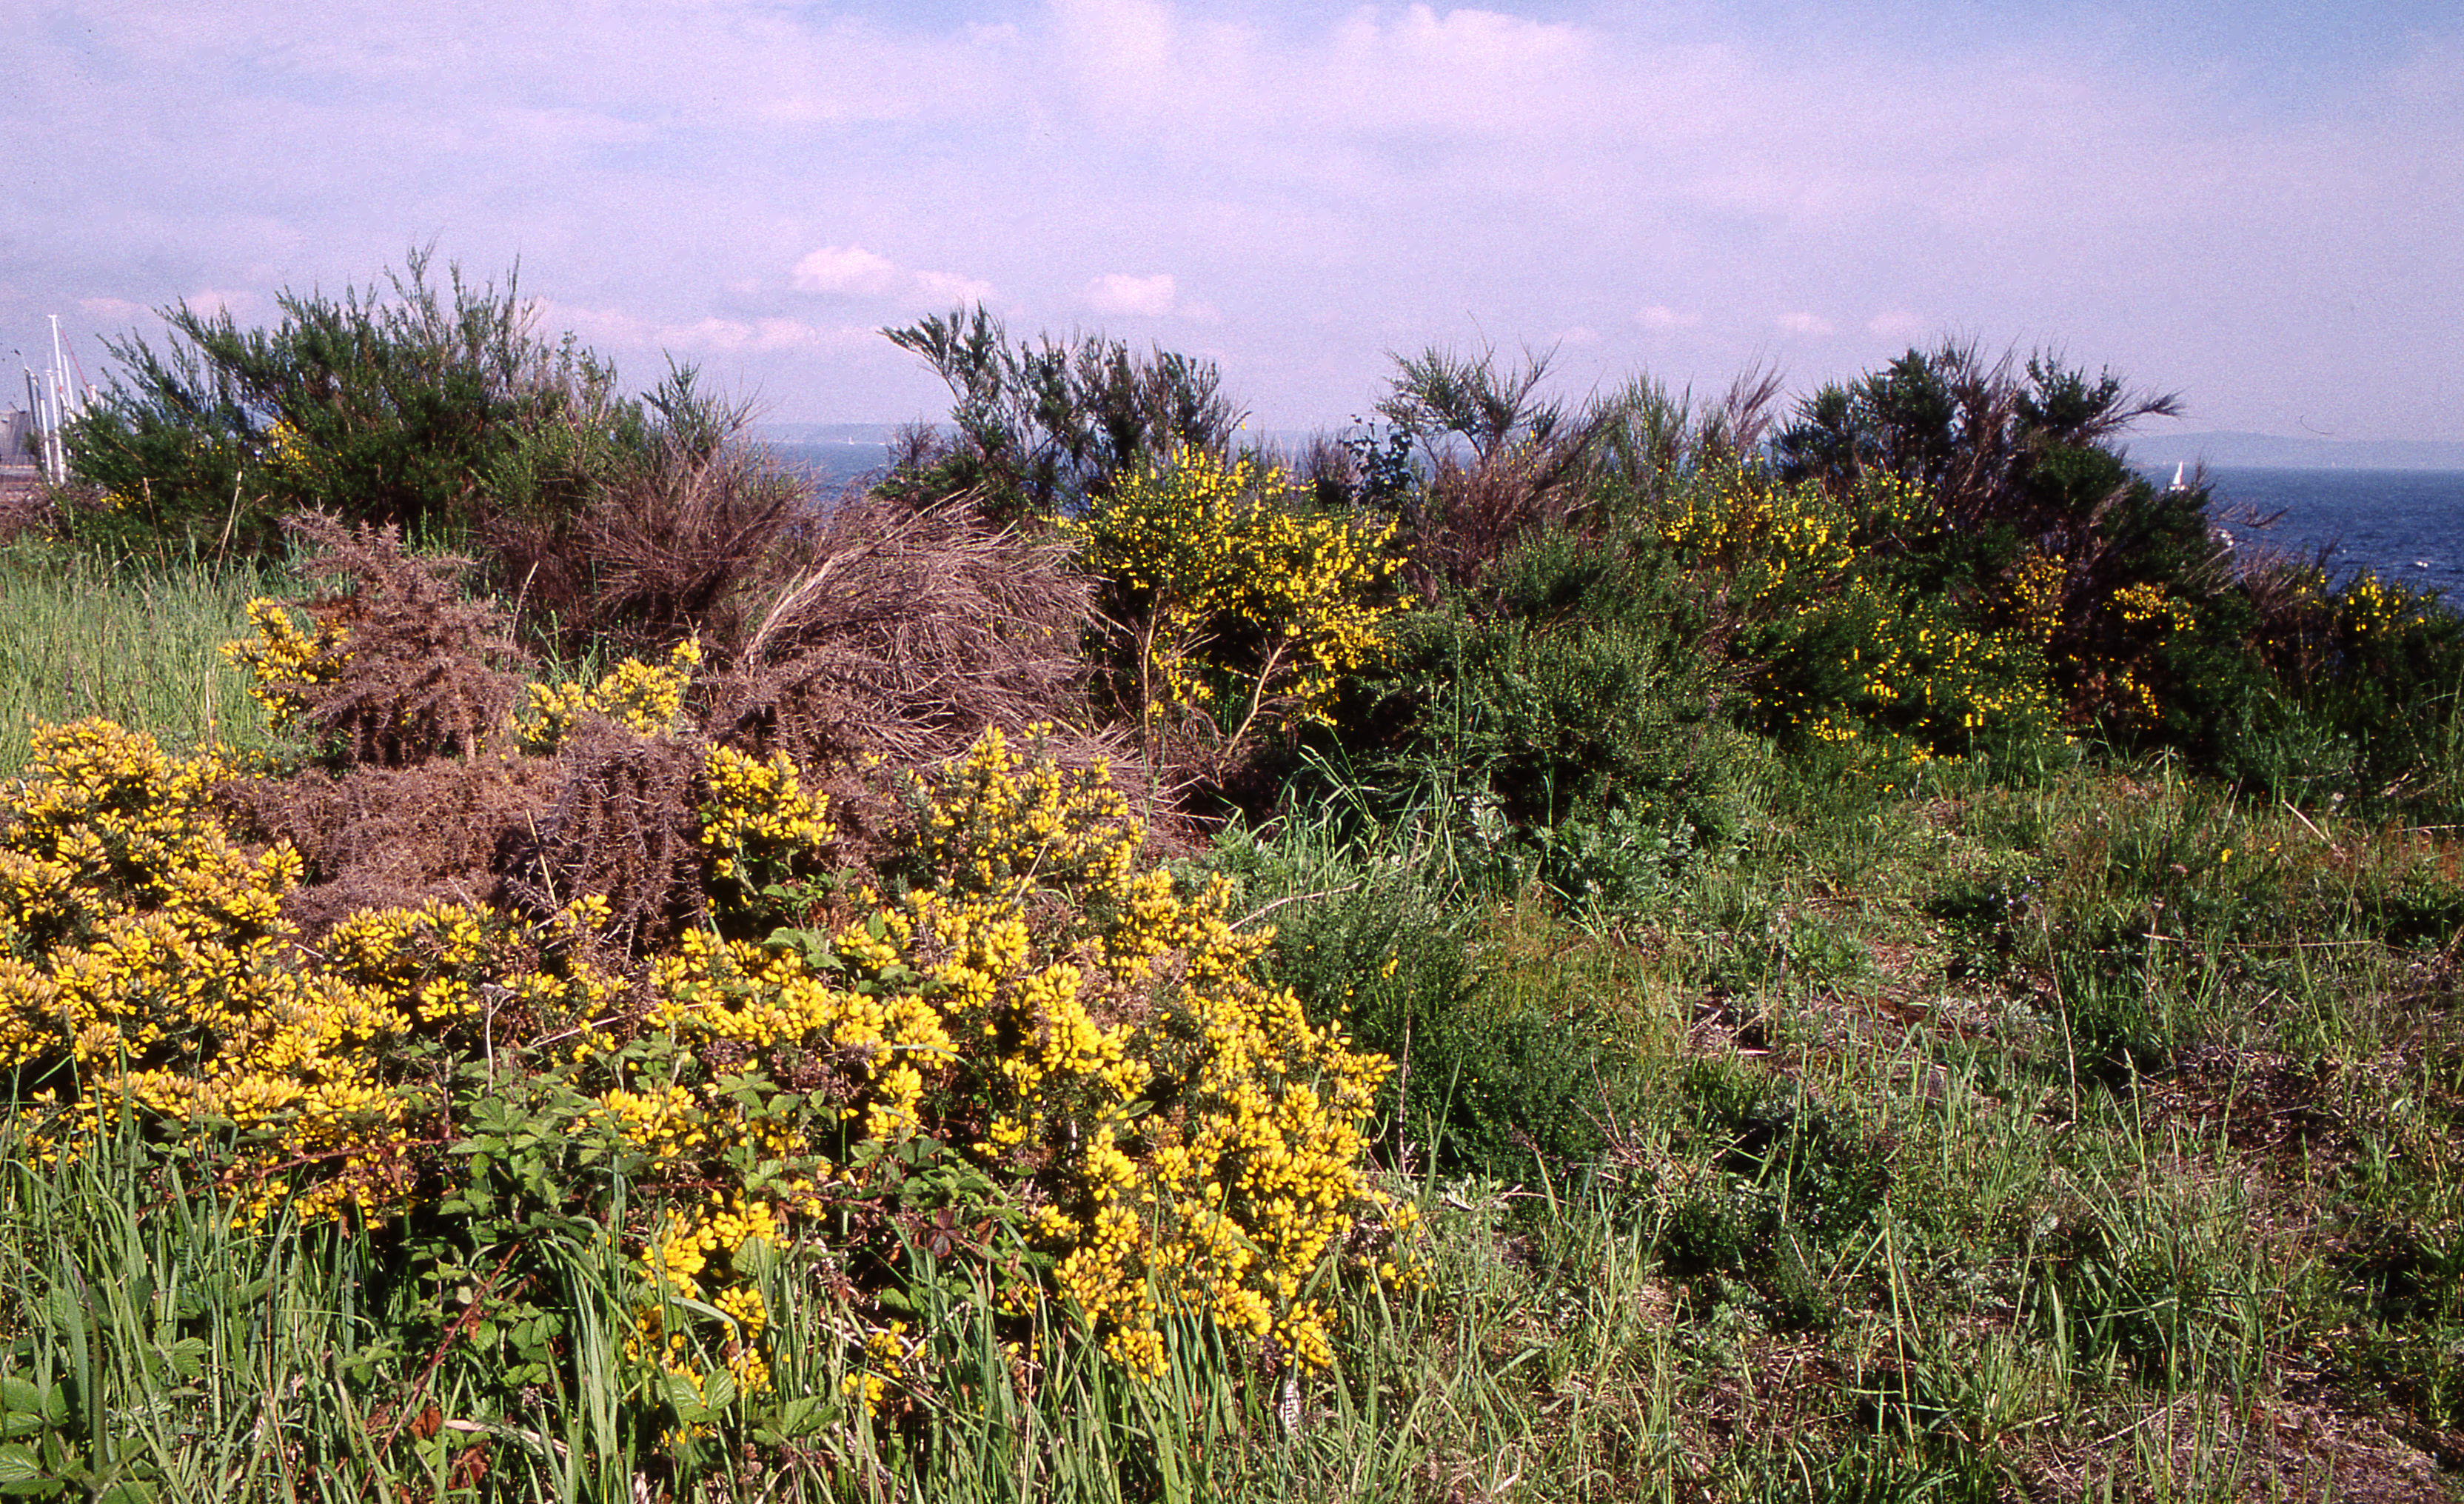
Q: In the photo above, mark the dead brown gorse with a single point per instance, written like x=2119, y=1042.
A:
x=679, y=544
x=421, y=676
x=904, y=635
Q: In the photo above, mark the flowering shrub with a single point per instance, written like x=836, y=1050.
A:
x=1239, y=595
x=1062, y=1054
x=1081, y=1041
x=1775, y=546
x=643, y=698
x=1846, y=650
x=284, y=658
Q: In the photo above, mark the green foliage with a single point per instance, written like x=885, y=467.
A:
x=1439, y=393
x=1045, y=428
x=1786, y=1178
x=1580, y=699
x=429, y=410
x=1988, y=443
x=1502, y=1067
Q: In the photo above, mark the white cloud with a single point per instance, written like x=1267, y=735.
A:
x=619, y=330
x=949, y=287
x=1119, y=293
x=1662, y=317
x=853, y=271
x=847, y=272
x=759, y=335
x=1804, y=324
x=1898, y=324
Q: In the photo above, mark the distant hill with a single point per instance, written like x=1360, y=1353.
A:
x=2274, y=451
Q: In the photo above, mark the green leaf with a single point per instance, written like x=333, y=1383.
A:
x=687, y=1402
x=802, y=1417
x=22, y=1473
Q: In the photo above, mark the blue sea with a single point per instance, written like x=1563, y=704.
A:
x=2407, y=525
x=834, y=463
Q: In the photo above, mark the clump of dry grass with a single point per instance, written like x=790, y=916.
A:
x=906, y=634
x=682, y=544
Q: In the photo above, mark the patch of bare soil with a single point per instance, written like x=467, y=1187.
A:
x=25, y=501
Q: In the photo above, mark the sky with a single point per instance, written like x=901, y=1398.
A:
x=2258, y=205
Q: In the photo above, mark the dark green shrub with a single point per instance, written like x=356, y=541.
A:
x=1041, y=426
x=419, y=412
x=1582, y=695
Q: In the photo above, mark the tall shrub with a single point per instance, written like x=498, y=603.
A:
x=419, y=410
x=1045, y=428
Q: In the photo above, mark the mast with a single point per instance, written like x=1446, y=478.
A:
x=67, y=401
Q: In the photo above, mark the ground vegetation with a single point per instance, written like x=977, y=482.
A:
x=1644, y=949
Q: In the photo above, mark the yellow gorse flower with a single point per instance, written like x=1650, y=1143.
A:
x=1252, y=597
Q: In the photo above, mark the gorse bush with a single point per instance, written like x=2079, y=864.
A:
x=1062, y=1056
x=1238, y=600
x=419, y=410
x=1047, y=427
x=444, y=414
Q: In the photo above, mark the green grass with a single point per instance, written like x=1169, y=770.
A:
x=137, y=642
x=2087, y=1134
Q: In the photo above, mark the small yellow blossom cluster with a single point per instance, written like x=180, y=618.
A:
x=283, y=657
x=699, y=1256
x=2118, y=674
x=877, y=1043
x=887, y=1352
x=997, y=825
x=647, y=699
x=286, y=452
x=2036, y=582
x=2153, y=606
x=758, y=817
x=1241, y=595
x=468, y=974
x=2370, y=609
